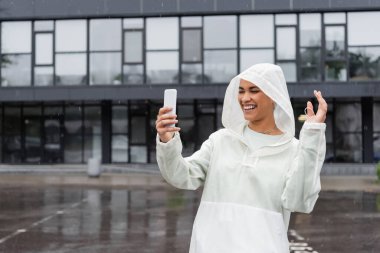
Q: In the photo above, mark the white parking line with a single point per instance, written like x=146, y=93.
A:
x=299, y=246
x=34, y=224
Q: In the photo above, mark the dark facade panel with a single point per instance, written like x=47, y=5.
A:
x=275, y=5
x=236, y=5
x=59, y=8
x=335, y=90
x=344, y=4
x=160, y=6
x=46, y=94
x=20, y=8
x=310, y=4
x=124, y=7
x=16, y=95
x=39, y=9
x=196, y=6
x=184, y=92
x=374, y=3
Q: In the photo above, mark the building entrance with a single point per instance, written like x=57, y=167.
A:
x=43, y=139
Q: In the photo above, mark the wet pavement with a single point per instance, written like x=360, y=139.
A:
x=145, y=215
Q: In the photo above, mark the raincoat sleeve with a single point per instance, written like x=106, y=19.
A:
x=184, y=173
x=302, y=184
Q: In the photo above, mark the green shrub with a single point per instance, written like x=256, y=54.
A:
x=378, y=171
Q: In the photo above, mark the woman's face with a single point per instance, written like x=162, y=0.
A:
x=256, y=105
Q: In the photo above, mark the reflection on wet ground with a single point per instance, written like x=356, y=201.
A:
x=73, y=219
x=342, y=222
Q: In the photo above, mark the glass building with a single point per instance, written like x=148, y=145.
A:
x=86, y=78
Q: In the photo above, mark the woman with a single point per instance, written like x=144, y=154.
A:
x=254, y=171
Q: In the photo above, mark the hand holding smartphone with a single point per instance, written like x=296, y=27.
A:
x=166, y=118
x=170, y=100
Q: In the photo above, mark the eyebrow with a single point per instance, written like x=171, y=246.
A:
x=252, y=87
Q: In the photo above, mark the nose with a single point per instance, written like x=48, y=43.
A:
x=245, y=97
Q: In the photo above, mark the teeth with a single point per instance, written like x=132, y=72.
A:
x=249, y=107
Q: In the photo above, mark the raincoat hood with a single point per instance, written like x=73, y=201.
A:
x=270, y=79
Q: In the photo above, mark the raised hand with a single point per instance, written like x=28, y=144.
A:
x=320, y=117
x=163, y=121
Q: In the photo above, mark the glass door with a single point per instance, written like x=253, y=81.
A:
x=32, y=126
x=52, y=147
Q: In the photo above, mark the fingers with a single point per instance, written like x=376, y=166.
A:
x=166, y=117
x=309, y=109
x=164, y=110
x=168, y=130
x=322, y=105
x=165, y=121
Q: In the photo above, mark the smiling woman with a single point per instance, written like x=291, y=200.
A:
x=255, y=172
x=256, y=106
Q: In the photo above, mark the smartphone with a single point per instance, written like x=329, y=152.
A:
x=170, y=99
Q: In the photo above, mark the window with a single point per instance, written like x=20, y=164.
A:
x=335, y=41
x=44, y=49
x=286, y=43
x=335, y=53
x=105, y=34
x=361, y=28
x=12, y=134
x=310, y=47
x=363, y=46
x=119, y=143
x=220, y=32
x=162, y=43
x=220, y=65
x=105, y=68
x=133, y=59
x=159, y=71
x=348, y=139
x=256, y=40
x=256, y=31
x=76, y=30
x=191, y=51
x=16, y=48
x=105, y=54
x=46, y=25
x=162, y=33
x=286, y=51
x=220, y=54
x=44, y=53
x=376, y=130
x=192, y=45
x=71, y=62
x=74, y=134
x=249, y=57
x=364, y=63
x=290, y=70
x=139, y=135
x=187, y=125
x=92, y=132
x=191, y=22
x=71, y=69
x=335, y=18
x=133, y=46
x=286, y=19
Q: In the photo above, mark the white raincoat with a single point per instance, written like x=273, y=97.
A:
x=248, y=195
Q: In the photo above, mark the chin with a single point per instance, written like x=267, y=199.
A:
x=249, y=118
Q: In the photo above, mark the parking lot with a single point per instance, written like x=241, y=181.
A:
x=145, y=215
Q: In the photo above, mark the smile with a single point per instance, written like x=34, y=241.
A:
x=249, y=107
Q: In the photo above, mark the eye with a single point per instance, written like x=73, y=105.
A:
x=255, y=91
